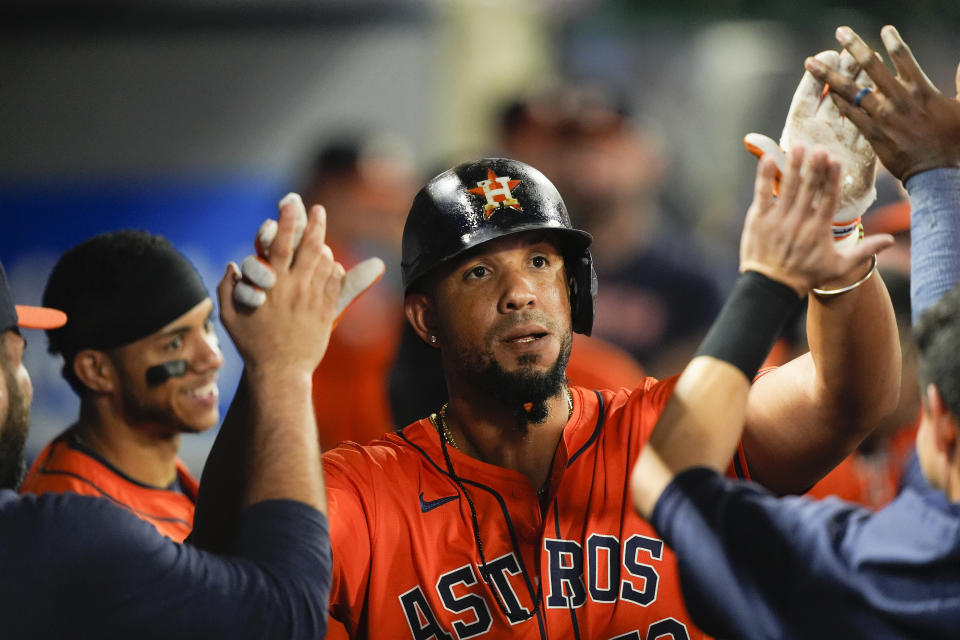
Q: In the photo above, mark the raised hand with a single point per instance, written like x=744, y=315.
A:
x=787, y=238
x=258, y=277
x=812, y=121
x=910, y=124
x=291, y=329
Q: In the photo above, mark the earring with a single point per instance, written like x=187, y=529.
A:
x=433, y=339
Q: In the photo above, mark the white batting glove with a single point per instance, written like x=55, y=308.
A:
x=259, y=277
x=813, y=120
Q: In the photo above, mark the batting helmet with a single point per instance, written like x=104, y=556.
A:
x=478, y=201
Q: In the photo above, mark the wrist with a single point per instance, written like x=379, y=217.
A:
x=932, y=165
x=276, y=377
x=750, y=322
x=850, y=281
x=799, y=285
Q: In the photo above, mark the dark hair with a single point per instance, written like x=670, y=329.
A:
x=937, y=337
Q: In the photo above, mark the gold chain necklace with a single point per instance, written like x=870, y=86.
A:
x=444, y=429
x=439, y=421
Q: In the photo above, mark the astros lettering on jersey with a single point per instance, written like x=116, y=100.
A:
x=406, y=563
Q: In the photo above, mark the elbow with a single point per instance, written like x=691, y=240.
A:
x=877, y=397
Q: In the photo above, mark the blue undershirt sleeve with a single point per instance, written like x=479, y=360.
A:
x=934, y=236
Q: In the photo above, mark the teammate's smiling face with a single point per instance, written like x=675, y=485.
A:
x=180, y=404
x=502, y=317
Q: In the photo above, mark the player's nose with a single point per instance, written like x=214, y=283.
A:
x=518, y=292
x=208, y=355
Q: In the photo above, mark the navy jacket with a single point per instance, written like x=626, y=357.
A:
x=79, y=567
x=756, y=566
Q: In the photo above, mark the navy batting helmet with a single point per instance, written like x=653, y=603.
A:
x=478, y=201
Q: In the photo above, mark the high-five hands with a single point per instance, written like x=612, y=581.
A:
x=814, y=121
x=911, y=125
x=259, y=277
x=304, y=295
x=786, y=238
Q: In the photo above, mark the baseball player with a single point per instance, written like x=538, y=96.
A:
x=75, y=566
x=744, y=554
x=141, y=353
x=506, y=512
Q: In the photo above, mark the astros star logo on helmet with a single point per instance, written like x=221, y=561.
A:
x=497, y=191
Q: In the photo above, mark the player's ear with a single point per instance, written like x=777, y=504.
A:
x=96, y=370
x=418, y=308
x=944, y=422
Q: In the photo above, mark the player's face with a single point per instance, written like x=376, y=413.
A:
x=187, y=403
x=505, y=310
x=16, y=394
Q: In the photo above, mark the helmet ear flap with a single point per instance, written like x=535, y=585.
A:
x=583, y=293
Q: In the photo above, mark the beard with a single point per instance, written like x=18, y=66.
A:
x=13, y=433
x=138, y=412
x=524, y=391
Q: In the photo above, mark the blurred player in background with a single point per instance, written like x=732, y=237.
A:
x=366, y=184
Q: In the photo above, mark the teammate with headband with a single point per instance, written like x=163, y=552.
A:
x=141, y=353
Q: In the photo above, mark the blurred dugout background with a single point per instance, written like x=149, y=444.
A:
x=190, y=118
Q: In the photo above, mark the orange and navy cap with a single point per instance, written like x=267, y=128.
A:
x=12, y=316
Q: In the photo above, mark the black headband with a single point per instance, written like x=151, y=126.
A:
x=130, y=286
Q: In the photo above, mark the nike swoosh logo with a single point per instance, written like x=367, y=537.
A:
x=430, y=505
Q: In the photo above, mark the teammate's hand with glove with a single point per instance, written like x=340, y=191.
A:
x=911, y=125
x=258, y=276
x=814, y=121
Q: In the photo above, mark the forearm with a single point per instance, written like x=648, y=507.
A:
x=807, y=415
x=934, y=236
x=700, y=426
x=125, y=580
x=266, y=448
x=855, y=349
x=285, y=455
x=224, y=480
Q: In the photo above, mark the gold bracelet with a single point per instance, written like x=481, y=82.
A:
x=849, y=287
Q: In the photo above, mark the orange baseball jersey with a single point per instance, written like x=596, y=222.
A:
x=408, y=563
x=65, y=466
x=356, y=365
